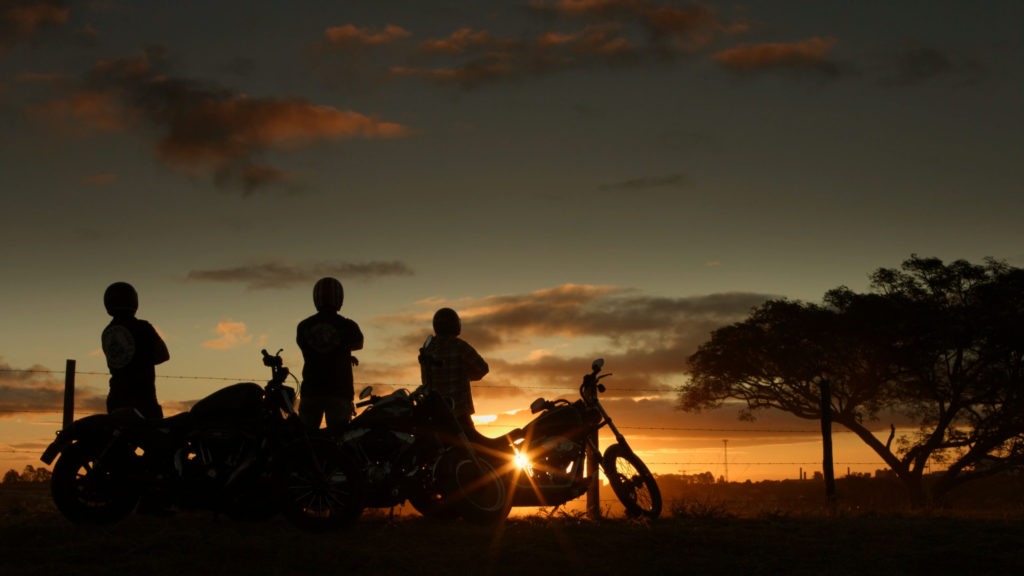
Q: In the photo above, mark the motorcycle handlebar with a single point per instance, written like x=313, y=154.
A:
x=272, y=361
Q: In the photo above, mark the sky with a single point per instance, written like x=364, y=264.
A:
x=578, y=178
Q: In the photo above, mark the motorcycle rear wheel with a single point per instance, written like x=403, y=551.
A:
x=434, y=506
x=87, y=491
x=320, y=487
x=480, y=494
x=632, y=482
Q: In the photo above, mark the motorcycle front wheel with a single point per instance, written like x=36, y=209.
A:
x=632, y=482
x=87, y=490
x=320, y=487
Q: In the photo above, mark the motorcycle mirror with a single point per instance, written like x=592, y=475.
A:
x=597, y=365
x=365, y=392
x=537, y=405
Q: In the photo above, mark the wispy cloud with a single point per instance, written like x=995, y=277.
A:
x=919, y=65
x=649, y=183
x=273, y=274
x=207, y=129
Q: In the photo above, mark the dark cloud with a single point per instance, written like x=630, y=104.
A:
x=37, y=389
x=207, y=129
x=275, y=274
x=649, y=182
x=580, y=310
x=21, y=20
x=918, y=65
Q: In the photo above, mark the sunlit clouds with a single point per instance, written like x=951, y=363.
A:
x=349, y=34
x=201, y=128
x=577, y=178
x=207, y=129
x=647, y=338
x=230, y=334
x=87, y=109
x=580, y=35
x=810, y=54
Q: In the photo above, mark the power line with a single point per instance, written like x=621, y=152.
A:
x=735, y=464
x=230, y=379
x=648, y=428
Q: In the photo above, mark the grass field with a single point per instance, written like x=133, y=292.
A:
x=697, y=540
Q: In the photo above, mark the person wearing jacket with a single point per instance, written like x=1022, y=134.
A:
x=327, y=340
x=448, y=364
x=132, y=348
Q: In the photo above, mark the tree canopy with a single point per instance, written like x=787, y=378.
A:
x=939, y=344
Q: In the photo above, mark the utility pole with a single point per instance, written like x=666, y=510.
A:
x=826, y=441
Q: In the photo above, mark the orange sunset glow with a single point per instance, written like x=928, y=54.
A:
x=578, y=179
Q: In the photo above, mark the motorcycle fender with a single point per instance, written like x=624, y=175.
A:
x=86, y=429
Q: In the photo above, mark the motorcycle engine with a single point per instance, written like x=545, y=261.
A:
x=556, y=457
x=212, y=455
x=383, y=450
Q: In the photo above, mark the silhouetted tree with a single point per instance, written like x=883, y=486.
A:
x=29, y=474
x=941, y=344
x=33, y=474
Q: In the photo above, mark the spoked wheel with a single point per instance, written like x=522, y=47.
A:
x=89, y=491
x=632, y=482
x=479, y=492
x=321, y=488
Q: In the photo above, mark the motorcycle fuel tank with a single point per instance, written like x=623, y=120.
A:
x=236, y=404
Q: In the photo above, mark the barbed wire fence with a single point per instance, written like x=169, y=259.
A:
x=677, y=429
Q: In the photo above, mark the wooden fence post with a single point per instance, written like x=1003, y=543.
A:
x=594, y=490
x=69, y=394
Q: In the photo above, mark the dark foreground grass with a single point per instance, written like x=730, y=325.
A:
x=35, y=539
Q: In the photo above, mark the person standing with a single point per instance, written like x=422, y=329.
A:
x=448, y=364
x=327, y=340
x=132, y=348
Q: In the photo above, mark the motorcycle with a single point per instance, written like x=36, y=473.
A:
x=242, y=450
x=545, y=459
x=410, y=447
